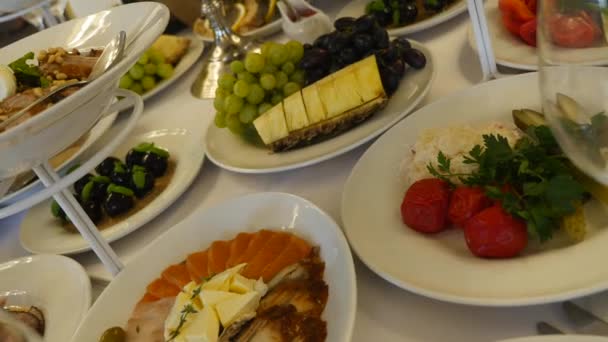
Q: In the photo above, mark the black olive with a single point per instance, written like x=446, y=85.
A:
x=93, y=210
x=349, y=56
x=117, y=203
x=121, y=178
x=107, y=166
x=339, y=41
x=307, y=46
x=79, y=184
x=134, y=158
x=363, y=42
x=380, y=37
x=313, y=58
x=323, y=41
x=95, y=189
x=155, y=163
x=414, y=58
x=365, y=23
x=408, y=13
x=142, y=181
x=344, y=23
x=383, y=18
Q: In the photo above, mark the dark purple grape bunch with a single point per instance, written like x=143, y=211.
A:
x=354, y=39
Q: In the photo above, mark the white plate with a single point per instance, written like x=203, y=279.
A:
x=260, y=32
x=558, y=338
x=56, y=284
x=41, y=233
x=232, y=153
x=512, y=52
x=440, y=266
x=192, y=55
x=356, y=8
x=97, y=131
x=247, y=213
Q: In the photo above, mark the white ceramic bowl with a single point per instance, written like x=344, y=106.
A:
x=247, y=213
x=52, y=130
x=57, y=285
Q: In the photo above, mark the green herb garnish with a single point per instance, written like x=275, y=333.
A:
x=119, y=167
x=120, y=190
x=101, y=179
x=86, y=191
x=375, y=6
x=28, y=75
x=543, y=189
x=149, y=147
x=188, y=309
x=139, y=179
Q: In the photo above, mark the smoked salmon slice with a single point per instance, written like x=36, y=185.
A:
x=258, y=241
x=218, y=255
x=266, y=255
x=296, y=250
x=196, y=263
x=238, y=246
x=177, y=275
x=161, y=288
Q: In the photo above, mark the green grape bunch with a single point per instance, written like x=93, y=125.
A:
x=255, y=84
x=150, y=69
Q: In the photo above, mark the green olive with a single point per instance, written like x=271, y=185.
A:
x=114, y=334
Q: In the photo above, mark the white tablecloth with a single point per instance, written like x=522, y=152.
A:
x=385, y=312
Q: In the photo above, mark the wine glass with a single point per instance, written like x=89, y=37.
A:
x=572, y=46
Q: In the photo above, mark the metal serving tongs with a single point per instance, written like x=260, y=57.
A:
x=228, y=46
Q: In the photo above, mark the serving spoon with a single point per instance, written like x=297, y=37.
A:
x=112, y=53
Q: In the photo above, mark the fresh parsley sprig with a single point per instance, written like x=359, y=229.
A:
x=541, y=189
x=188, y=309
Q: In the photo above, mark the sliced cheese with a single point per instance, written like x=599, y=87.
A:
x=221, y=281
x=212, y=297
x=241, y=284
x=346, y=89
x=272, y=126
x=172, y=321
x=237, y=308
x=205, y=327
x=295, y=112
x=369, y=85
x=329, y=97
x=312, y=102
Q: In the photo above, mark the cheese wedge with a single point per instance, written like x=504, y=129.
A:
x=332, y=104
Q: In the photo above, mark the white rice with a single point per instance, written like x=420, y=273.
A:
x=454, y=142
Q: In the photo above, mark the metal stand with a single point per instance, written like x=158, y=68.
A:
x=228, y=47
x=479, y=22
x=57, y=187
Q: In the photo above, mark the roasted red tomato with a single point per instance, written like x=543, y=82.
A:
x=531, y=4
x=527, y=32
x=516, y=10
x=425, y=205
x=512, y=25
x=466, y=202
x=573, y=30
x=494, y=233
